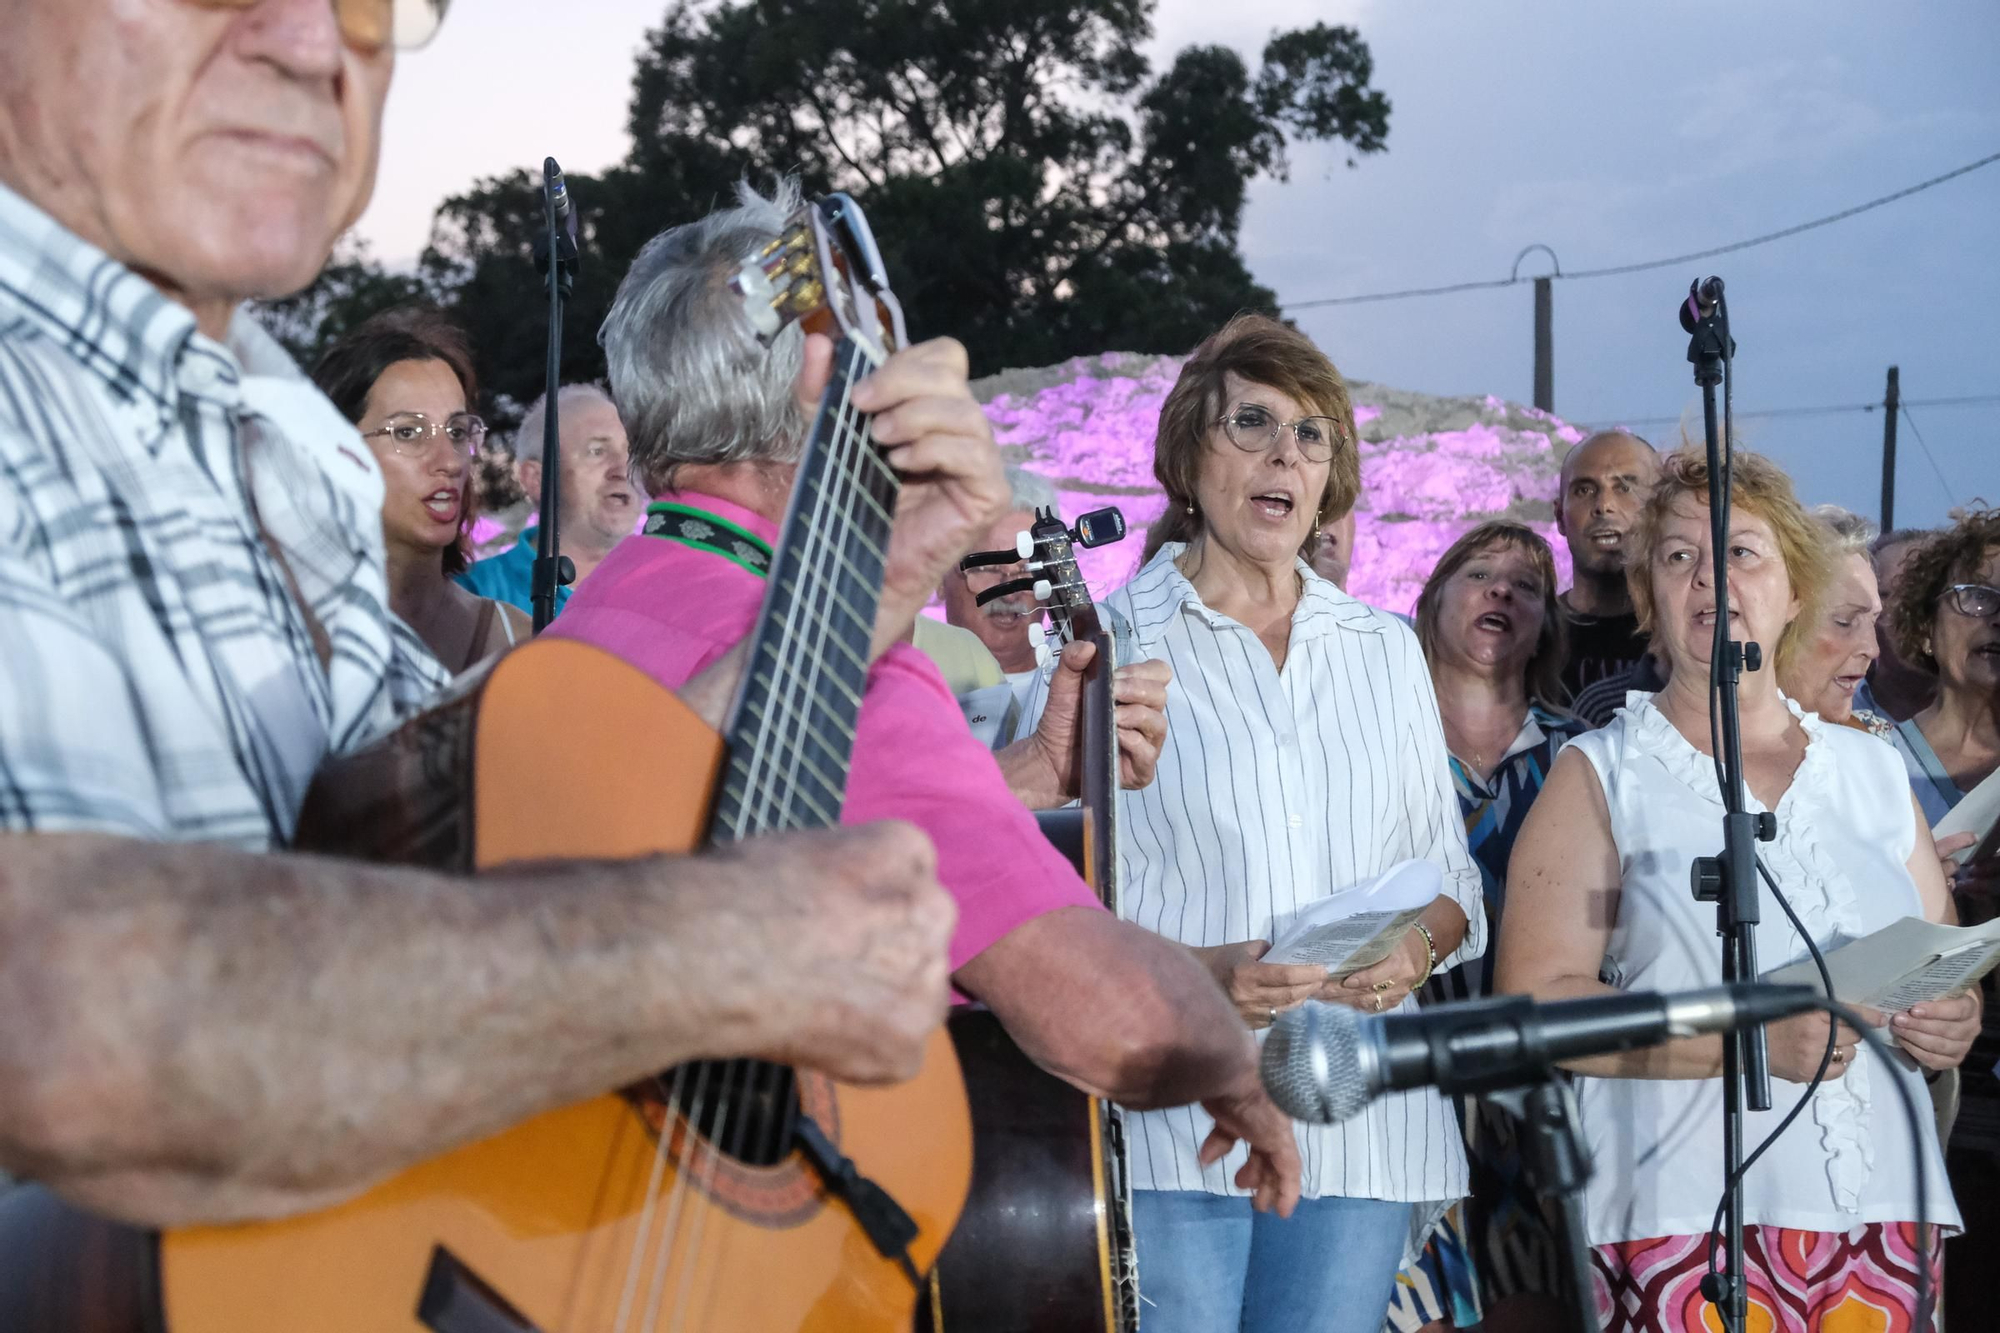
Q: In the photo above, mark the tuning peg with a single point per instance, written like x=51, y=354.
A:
x=1042, y=590
x=1024, y=544
x=1042, y=653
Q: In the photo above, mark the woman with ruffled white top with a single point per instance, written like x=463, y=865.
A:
x=1598, y=899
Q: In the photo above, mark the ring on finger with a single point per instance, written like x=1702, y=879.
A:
x=1378, y=1003
x=1273, y=1019
x=1383, y=985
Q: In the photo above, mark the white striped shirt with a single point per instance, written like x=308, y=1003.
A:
x=160, y=680
x=1276, y=788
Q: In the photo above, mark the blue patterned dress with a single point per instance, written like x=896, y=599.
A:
x=1494, y=1244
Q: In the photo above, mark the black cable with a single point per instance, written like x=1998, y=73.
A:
x=1643, y=266
x=1827, y=410
x=1812, y=1086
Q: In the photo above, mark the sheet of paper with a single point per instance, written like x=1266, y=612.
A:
x=1906, y=962
x=1346, y=946
x=1358, y=926
x=1978, y=812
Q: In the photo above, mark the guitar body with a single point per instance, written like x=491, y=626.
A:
x=578, y=1221
x=1045, y=1243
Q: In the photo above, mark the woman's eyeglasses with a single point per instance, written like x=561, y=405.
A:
x=1254, y=430
x=411, y=433
x=1977, y=600
x=373, y=24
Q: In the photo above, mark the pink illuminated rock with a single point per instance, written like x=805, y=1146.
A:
x=1430, y=467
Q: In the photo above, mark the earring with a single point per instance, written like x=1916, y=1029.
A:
x=1190, y=506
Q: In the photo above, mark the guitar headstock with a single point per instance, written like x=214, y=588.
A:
x=824, y=272
x=1047, y=552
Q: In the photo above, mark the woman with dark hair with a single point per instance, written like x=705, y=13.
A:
x=1946, y=618
x=405, y=379
x=1493, y=633
x=1304, y=758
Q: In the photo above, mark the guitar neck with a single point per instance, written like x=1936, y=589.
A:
x=791, y=735
x=1097, y=777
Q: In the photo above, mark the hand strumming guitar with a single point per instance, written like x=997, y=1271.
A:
x=936, y=436
x=849, y=927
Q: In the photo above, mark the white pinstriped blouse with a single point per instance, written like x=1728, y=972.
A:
x=1276, y=789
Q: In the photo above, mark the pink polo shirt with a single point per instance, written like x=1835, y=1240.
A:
x=671, y=611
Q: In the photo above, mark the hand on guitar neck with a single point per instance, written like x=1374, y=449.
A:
x=1042, y=767
x=935, y=435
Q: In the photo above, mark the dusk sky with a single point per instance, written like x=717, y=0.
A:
x=1613, y=134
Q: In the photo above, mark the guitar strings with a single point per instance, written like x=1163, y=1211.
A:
x=779, y=709
x=834, y=520
x=772, y=815
x=693, y=1110
x=773, y=808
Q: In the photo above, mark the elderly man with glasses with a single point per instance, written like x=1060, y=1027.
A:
x=193, y=1023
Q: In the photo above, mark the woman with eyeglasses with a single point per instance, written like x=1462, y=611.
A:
x=1304, y=757
x=405, y=379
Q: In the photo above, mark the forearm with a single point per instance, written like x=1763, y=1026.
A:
x=1114, y=1009
x=193, y=1033
x=1684, y=1057
x=1446, y=921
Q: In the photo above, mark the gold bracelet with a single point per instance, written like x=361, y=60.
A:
x=1431, y=949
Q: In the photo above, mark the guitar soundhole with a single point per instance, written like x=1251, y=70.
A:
x=746, y=1108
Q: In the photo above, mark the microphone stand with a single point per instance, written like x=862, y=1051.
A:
x=1728, y=881
x=1557, y=1166
x=555, y=259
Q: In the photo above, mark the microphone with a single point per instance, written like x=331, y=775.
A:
x=1323, y=1062
x=559, y=194
x=1704, y=294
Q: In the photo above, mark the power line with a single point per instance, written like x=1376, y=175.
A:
x=1827, y=410
x=1641, y=267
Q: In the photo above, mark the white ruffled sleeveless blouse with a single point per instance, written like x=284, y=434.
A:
x=1845, y=833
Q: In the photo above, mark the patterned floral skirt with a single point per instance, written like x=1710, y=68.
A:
x=1864, y=1281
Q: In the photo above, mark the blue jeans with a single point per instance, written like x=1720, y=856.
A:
x=1209, y=1263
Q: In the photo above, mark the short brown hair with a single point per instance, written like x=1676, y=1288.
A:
x=1951, y=556
x=346, y=372
x=1757, y=486
x=1263, y=351
x=1544, y=670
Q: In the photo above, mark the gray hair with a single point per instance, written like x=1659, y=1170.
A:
x=692, y=382
x=1848, y=533
x=528, y=439
x=1030, y=490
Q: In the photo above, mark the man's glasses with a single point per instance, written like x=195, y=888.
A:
x=1254, y=429
x=1977, y=600
x=373, y=24
x=411, y=433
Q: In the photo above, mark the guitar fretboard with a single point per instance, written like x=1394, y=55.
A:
x=792, y=735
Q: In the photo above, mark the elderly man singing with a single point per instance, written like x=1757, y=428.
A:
x=193, y=1024
x=716, y=432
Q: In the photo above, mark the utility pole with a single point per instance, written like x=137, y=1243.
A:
x=1545, y=372
x=1891, y=402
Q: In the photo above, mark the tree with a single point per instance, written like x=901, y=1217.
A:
x=347, y=291
x=1038, y=191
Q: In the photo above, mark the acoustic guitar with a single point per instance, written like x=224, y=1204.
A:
x=724, y=1196
x=1045, y=1243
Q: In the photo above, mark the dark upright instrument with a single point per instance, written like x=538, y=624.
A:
x=1045, y=1242
x=724, y=1195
